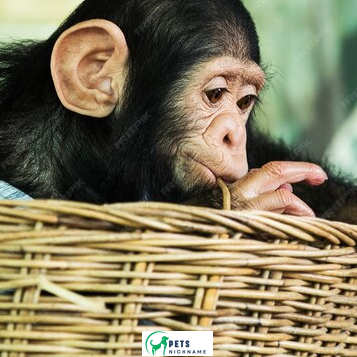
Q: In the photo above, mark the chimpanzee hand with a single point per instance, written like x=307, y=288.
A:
x=269, y=188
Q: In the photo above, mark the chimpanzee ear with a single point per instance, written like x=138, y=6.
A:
x=88, y=67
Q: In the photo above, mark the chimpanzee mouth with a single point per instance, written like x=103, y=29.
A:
x=211, y=174
x=208, y=173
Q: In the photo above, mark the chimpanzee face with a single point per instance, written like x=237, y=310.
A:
x=197, y=83
x=146, y=99
x=217, y=104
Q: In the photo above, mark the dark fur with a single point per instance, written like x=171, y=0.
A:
x=47, y=150
x=50, y=152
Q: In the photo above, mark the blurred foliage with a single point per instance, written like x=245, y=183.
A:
x=32, y=18
x=309, y=53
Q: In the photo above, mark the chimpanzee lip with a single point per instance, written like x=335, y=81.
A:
x=227, y=180
x=197, y=161
x=211, y=171
x=224, y=178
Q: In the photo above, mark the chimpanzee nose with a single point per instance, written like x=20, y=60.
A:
x=225, y=130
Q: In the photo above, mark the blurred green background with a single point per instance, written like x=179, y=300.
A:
x=309, y=50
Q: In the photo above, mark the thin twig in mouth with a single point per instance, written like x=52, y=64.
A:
x=197, y=160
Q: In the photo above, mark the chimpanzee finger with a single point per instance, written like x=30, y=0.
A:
x=275, y=174
x=281, y=201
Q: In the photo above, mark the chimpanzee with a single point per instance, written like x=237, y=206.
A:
x=151, y=100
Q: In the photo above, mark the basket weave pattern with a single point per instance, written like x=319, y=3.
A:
x=85, y=280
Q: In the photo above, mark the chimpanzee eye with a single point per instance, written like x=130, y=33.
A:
x=215, y=95
x=246, y=102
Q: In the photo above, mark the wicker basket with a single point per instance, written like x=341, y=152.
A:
x=85, y=280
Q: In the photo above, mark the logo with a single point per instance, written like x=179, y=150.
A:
x=157, y=347
x=174, y=343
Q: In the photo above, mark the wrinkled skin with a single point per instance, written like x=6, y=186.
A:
x=151, y=100
x=223, y=95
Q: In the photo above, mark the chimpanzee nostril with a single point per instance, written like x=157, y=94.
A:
x=225, y=130
x=227, y=140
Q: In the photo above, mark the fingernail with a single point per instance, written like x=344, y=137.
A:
x=309, y=211
x=317, y=176
x=324, y=173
